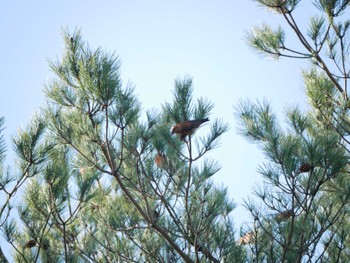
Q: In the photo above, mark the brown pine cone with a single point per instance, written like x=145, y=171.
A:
x=283, y=216
x=31, y=243
x=160, y=160
x=305, y=167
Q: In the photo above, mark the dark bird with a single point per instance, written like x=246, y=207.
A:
x=187, y=127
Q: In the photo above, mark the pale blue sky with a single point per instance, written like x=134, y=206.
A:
x=157, y=41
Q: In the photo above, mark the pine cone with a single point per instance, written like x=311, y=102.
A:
x=305, y=167
x=160, y=160
x=283, y=216
x=31, y=243
x=247, y=238
x=94, y=207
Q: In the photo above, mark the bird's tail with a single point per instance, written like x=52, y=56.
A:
x=204, y=120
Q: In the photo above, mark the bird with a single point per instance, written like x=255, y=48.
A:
x=187, y=127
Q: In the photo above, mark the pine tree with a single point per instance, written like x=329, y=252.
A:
x=105, y=182
x=302, y=211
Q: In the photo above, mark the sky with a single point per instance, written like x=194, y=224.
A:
x=157, y=42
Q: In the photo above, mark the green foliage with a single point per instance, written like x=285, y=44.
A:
x=332, y=8
x=104, y=184
x=27, y=144
x=278, y=5
x=317, y=30
x=266, y=40
x=304, y=201
x=323, y=39
x=183, y=107
x=298, y=211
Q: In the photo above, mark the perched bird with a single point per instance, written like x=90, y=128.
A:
x=187, y=127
